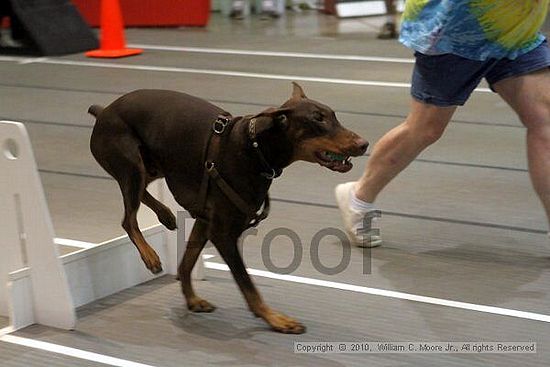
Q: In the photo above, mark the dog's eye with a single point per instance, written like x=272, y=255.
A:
x=319, y=117
x=318, y=123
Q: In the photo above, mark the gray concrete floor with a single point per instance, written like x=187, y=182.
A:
x=461, y=223
x=150, y=324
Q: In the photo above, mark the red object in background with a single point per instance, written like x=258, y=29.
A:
x=330, y=7
x=151, y=12
x=113, y=43
x=5, y=23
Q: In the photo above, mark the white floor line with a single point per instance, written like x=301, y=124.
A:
x=70, y=352
x=390, y=294
x=301, y=55
x=31, y=60
x=371, y=83
x=18, y=59
x=223, y=73
x=6, y=330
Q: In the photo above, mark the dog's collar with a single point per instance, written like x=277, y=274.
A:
x=269, y=172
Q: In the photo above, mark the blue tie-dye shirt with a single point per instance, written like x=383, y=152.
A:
x=474, y=29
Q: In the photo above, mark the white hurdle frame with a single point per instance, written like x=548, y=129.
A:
x=27, y=241
x=39, y=286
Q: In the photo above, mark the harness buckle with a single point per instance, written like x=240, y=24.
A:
x=271, y=175
x=220, y=124
x=209, y=165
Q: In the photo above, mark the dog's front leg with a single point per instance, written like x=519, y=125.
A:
x=197, y=240
x=277, y=321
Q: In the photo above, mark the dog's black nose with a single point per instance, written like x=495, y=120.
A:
x=362, y=144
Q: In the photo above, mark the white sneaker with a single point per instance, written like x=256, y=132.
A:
x=354, y=220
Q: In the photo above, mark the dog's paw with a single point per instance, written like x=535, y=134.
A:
x=284, y=324
x=156, y=269
x=168, y=220
x=200, y=305
x=152, y=262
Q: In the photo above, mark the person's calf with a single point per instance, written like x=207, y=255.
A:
x=538, y=154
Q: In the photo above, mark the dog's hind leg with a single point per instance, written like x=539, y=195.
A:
x=132, y=186
x=164, y=215
x=117, y=151
x=195, y=244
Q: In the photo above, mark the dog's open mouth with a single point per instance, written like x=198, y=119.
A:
x=334, y=161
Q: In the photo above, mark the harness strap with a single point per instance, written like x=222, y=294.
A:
x=211, y=151
x=269, y=172
x=263, y=214
x=203, y=190
x=252, y=216
x=220, y=127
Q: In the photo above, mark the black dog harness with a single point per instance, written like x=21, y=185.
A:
x=221, y=128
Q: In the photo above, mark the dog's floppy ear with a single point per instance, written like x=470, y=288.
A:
x=297, y=91
x=270, y=118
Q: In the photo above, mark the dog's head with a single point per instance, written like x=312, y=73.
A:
x=309, y=131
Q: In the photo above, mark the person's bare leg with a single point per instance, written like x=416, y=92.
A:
x=400, y=146
x=389, y=29
x=391, y=9
x=529, y=96
x=392, y=153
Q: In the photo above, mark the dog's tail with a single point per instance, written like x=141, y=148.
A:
x=95, y=110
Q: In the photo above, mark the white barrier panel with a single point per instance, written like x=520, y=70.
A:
x=111, y=266
x=36, y=285
x=27, y=241
x=115, y=265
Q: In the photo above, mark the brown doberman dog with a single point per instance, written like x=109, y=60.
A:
x=218, y=167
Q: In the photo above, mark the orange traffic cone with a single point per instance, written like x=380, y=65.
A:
x=113, y=43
